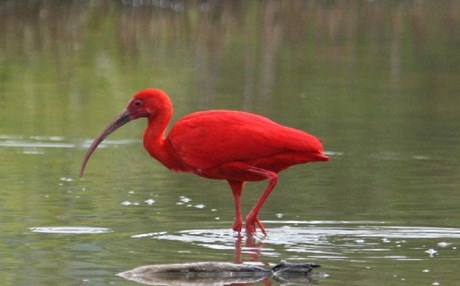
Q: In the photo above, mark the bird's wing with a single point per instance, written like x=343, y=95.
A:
x=209, y=139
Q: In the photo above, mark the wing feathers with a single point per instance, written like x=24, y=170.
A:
x=208, y=139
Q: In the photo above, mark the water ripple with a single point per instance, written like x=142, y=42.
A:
x=70, y=230
x=335, y=240
x=31, y=144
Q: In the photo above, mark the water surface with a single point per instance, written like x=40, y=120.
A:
x=377, y=81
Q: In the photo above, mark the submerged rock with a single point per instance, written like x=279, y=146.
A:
x=294, y=273
x=217, y=273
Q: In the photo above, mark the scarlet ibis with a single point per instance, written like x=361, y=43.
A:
x=228, y=145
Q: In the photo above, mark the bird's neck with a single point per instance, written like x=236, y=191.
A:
x=155, y=141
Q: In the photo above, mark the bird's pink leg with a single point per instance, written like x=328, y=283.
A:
x=252, y=219
x=237, y=188
x=236, y=173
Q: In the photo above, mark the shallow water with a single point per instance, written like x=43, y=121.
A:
x=377, y=82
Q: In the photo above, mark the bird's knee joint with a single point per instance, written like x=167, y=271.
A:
x=272, y=176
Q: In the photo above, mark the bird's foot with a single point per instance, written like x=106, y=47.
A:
x=237, y=225
x=252, y=223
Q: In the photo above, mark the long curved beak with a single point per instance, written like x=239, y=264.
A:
x=123, y=118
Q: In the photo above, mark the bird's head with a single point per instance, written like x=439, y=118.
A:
x=148, y=103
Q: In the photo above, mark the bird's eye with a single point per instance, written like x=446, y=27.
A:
x=137, y=103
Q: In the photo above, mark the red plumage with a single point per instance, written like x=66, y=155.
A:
x=207, y=140
x=219, y=144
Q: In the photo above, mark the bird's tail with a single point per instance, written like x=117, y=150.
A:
x=320, y=156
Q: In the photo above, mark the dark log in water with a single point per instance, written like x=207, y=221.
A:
x=217, y=273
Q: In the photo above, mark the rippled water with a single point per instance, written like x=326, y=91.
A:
x=336, y=240
x=131, y=225
x=377, y=81
x=70, y=230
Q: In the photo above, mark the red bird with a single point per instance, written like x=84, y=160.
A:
x=235, y=146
